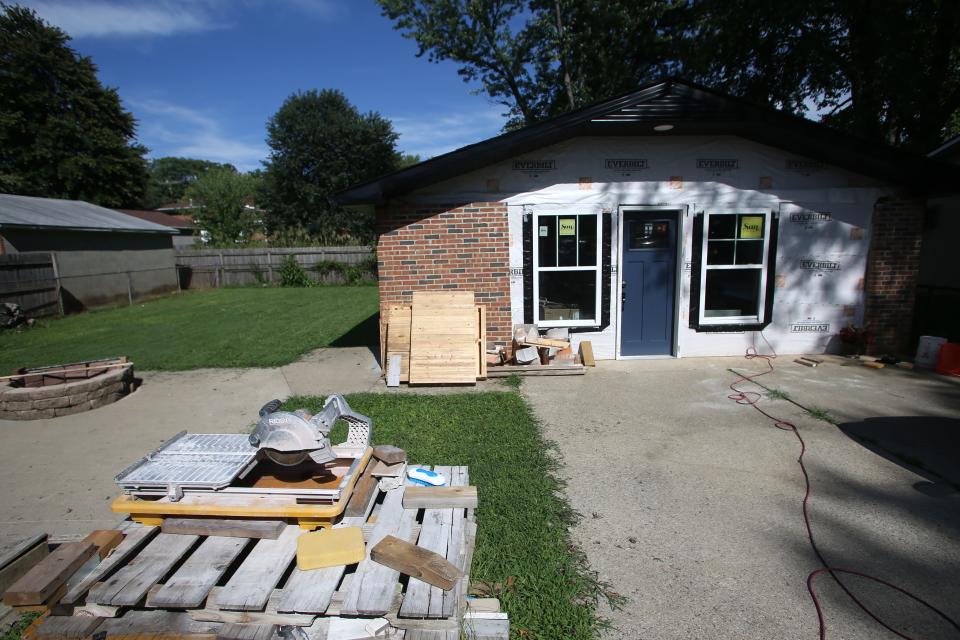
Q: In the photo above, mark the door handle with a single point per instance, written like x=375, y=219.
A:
x=623, y=293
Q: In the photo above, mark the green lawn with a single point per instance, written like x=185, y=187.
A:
x=523, y=551
x=240, y=327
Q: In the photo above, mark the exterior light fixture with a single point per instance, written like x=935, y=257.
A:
x=663, y=127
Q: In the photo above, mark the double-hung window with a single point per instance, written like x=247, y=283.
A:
x=566, y=278
x=733, y=267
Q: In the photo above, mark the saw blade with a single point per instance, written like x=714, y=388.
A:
x=286, y=458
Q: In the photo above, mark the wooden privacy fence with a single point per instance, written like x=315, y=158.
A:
x=208, y=268
x=31, y=280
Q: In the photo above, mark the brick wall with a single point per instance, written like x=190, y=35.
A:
x=893, y=268
x=448, y=247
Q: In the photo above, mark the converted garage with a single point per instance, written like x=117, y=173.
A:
x=673, y=221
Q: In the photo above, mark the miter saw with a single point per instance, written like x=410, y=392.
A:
x=288, y=455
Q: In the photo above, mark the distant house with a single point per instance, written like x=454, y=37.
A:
x=102, y=256
x=188, y=233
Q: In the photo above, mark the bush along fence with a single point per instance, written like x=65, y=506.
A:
x=299, y=266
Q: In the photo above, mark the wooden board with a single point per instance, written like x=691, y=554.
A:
x=156, y=624
x=586, y=354
x=129, y=585
x=481, y=342
x=421, y=596
x=383, y=470
x=389, y=453
x=415, y=561
x=537, y=370
x=132, y=542
x=545, y=342
x=363, y=492
x=372, y=589
x=21, y=558
x=393, y=370
x=225, y=527
x=398, y=339
x=192, y=582
x=443, y=338
x=105, y=540
x=253, y=582
x=66, y=627
x=247, y=632
x=440, y=498
x=41, y=582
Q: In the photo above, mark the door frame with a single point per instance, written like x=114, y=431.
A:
x=681, y=212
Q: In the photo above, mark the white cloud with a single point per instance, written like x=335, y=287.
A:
x=174, y=130
x=144, y=18
x=432, y=134
x=101, y=18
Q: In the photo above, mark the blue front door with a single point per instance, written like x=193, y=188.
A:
x=648, y=266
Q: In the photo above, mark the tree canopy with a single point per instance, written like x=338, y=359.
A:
x=887, y=71
x=62, y=133
x=223, y=198
x=171, y=177
x=321, y=144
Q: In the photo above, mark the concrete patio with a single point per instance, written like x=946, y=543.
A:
x=691, y=503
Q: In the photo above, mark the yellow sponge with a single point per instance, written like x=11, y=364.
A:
x=330, y=548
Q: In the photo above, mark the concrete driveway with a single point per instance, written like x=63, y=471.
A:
x=691, y=504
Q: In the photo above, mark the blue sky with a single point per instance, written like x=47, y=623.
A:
x=203, y=76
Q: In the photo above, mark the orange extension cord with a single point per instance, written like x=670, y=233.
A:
x=751, y=398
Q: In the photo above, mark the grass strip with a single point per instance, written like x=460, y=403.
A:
x=524, y=555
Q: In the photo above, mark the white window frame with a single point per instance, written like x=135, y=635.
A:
x=537, y=269
x=704, y=267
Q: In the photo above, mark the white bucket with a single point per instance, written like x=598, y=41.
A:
x=928, y=350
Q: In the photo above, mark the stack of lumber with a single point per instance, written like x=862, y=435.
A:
x=229, y=578
x=439, y=339
x=549, y=355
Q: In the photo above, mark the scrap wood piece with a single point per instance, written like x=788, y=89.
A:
x=389, y=453
x=132, y=543
x=105, y=540
x=233, y=631
x=397, y=342
x=225, y=527
x=440, y=498
x=459, y=477
x=189, y=586
x=537, y=370
x=481, y=342
x=21, y=558
x=544, y=342
x=67, y=627
x=130, y=584
x=393, y=370
x=364, y=490
x=416, y=562
x=252, y=583
x=42, y=581
x=383, y=470
x=443, y=329
x=586, y=354
x=330, y=548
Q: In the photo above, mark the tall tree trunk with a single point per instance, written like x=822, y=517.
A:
x=562, y=54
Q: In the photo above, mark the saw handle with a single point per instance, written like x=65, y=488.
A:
x=270, y=407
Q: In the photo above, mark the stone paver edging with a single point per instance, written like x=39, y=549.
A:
x=34, y=403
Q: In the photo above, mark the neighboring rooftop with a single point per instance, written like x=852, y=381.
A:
x=182, y=222
x=25, y=212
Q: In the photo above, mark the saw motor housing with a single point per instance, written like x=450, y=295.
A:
x=289, y=438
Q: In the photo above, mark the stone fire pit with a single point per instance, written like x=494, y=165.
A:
x=50, y=393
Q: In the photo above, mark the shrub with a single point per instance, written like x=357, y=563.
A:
x=292, y=274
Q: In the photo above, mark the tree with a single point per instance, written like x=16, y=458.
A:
x=321, y=144
x=62, y=133
x=223, y=196
x=170, y=178
x=885, y=71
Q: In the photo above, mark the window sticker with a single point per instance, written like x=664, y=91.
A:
x=751, y=227
x=544, y=231
x=568, y=226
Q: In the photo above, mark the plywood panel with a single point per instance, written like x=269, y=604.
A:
x=398, y=339
x=443, y=338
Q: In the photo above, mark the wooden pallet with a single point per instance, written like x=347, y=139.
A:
x=237, y=587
